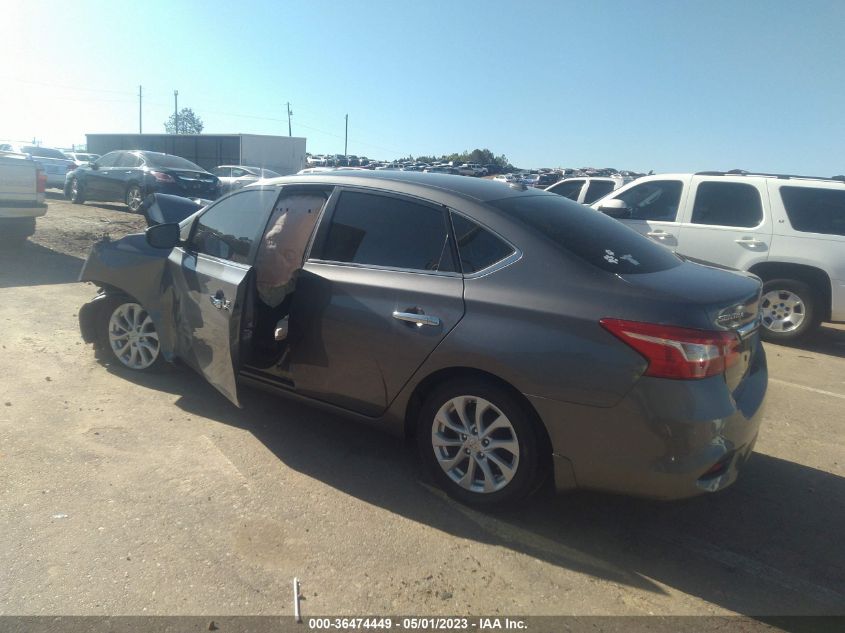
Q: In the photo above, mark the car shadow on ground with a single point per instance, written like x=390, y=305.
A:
x=770, y=545
x=829, y=339
x=30, y=264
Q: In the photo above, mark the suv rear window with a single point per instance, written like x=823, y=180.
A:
x=727, y=204
x=588, y=234
x=815, y=210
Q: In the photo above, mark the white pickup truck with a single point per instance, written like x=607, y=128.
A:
x=22, y=185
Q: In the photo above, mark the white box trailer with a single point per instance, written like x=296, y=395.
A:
x=283, y=154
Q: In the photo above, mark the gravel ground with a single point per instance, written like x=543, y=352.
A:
x=126, y=494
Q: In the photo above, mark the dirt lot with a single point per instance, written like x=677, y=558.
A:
x=153, y=495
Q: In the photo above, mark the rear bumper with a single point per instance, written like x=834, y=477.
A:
x=666, y=439
x=10, y=209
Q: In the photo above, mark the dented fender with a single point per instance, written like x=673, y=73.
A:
x=133, y=267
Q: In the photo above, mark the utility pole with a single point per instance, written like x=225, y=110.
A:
x=176, y=110
x=140, y=111
x=289, y=113
x=346, y=135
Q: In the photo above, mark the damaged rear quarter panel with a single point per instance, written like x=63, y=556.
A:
x=130, y=265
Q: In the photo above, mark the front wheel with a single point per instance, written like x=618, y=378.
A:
x=128, y=334
x=134, y=198
x=789, y=310
x=479, y=443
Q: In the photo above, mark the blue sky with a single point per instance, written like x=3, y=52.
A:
x=668, y=86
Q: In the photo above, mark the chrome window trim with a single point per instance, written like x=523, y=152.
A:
x=413, y=271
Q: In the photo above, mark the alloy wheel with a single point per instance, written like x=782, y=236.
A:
x=132, y=336
x=783, y=311
x=475, y=444
x=134, y=198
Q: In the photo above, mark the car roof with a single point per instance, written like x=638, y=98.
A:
x=413, y=182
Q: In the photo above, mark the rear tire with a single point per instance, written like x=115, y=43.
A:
x=134, y=198
x=479, y=443
x=791, y=309
x=126, y=333
x=77, y=195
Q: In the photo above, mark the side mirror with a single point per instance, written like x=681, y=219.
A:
x=163, y=235
x=93, y=165
x=616, y=208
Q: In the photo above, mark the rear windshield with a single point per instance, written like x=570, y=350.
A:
x=815, y=210
x=588, y=234
x=43, y=152
x=268, y=173
x=167, y=161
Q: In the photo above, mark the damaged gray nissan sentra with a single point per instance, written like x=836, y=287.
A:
x=514, y=333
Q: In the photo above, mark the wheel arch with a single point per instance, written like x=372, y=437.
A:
x=431, y=382
x=815, y=277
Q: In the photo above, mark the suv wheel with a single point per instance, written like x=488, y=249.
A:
x=789, y=310
x=128, y=333
x=478, y=443
x=134, y=198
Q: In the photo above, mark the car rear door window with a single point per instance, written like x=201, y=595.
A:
x=598, y=189
x=379, y=230
x=568, y=189
x=727, y=204
x=656, y=200
x=127, y=159
x=587, y=234
x=815, y=209
x=231, y=228
x=478, y=248
x=109, y=159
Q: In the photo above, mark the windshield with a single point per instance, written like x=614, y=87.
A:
x=166, y=161
x=588, y=234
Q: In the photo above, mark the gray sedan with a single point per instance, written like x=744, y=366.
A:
x=515, y=334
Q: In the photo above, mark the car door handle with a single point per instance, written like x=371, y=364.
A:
x=220, y=301
x=661, y=235
x=749, y=241
x=418, y=319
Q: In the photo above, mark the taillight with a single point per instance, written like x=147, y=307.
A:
x=160, y=176
x=679, y=353
x=40, y=181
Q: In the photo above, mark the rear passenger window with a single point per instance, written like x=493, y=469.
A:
x=598, y=189
x=727, y=204
x=568, y=189
x=128, y=160
x=231, y=228
x=478, y=248
x=387, y=231
x=815, y=210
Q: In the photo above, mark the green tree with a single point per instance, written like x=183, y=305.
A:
x=189, y=123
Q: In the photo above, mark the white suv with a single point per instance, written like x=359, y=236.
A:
x=788, y=230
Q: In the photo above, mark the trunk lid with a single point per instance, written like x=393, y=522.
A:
x=194, y=183
x=711, y=298
x=17, y=178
